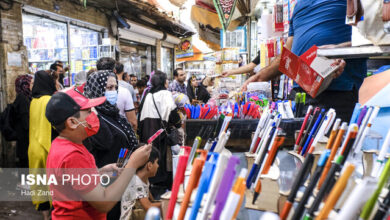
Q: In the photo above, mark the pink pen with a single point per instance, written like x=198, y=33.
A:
x=151, y=139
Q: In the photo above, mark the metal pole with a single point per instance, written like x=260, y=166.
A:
x=69, y=52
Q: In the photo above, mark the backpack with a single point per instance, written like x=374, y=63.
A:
x=7, y=119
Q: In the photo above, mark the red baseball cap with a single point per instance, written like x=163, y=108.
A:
x=68, y=102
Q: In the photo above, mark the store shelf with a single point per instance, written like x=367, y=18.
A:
x=46, y=48
x=355, y=52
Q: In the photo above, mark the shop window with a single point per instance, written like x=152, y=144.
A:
x=138, y=59
x=167, y=61
x=46, y=41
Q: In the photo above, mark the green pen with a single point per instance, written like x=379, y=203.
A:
x=368, y=207
x=303, y=98
x=297, y=104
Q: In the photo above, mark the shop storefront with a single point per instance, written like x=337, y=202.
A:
x=53, y=37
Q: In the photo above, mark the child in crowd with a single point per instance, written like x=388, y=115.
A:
x=137, y=200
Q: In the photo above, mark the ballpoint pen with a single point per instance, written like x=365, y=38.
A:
x=194, y=148
x=278, y=141
x=264, y=132
x=313, y=130
x=362, y=128
x=381, y=156
x=260, y=126
x=309, y=128
x=234, y=196
x=355, y=114
x=327, y=186
x=348, y=141
x=204, y=183
x=178, y=180
x=307, y=116
x=360, y=194
x=193, y=182
x=313, y=182
x=336, y=192
x=368, y=207
x=366, y=130
x=289, y=111
x=333, y=153
x=222, y=143
x=333, y=134
x=326, y=124
x=298, y=181
x=224, y=187
x=260, y=156
x=215, y=182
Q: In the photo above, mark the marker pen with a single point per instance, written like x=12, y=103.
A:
x=360, y=139
x=297, y=104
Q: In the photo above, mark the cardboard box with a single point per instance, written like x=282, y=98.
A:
x=314, y=74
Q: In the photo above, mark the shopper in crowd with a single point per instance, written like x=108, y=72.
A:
x=70, y=113
x=321, y=23
x=80, y=78
x=133, y=80
x=115, y=132
x=181, y=100
x=92, y=70
x=141, y=85
x=208, y=82
x=126, y=77
x=40, y=136
x=125, y=100
x=21, y=107
x=137, y=199
x=119, y=72
x=57, y=72
x=158, y=110
x=177, y=85
x=196, y=92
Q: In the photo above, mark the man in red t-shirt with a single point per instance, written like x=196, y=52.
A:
x=78, y=191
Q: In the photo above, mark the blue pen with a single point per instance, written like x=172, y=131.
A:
x=356, y=112
x=204, y=183
x=213, y=146
x=313, y=130
x=260, y=157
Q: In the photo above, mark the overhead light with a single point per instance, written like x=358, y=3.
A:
x=149, y=20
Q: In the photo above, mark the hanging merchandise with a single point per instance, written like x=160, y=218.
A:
x=225, y=10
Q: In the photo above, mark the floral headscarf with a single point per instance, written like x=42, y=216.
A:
x=22, y=85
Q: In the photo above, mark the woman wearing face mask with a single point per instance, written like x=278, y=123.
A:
x=40, y=136
x=115, y=132
x=196, y=91
x=158, y=110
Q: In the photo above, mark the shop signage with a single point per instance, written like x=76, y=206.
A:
x=184, y=49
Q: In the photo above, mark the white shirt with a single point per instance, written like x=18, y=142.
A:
x=136, y=189
x=129, y=87
x=125, y=101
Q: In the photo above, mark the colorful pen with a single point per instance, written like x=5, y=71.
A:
x=333, y=153
x=309, y=128
x=193, y=182
x=383, y=207
x=194, y=148
x=308, y=113
x=235, y=195
x=225, y=186
x=313, y=182
x=313, y=130
x=204, y=183
x=298, y=181
x=336, y=192
x=178, y=180
x=368, y=207
x=360, y=139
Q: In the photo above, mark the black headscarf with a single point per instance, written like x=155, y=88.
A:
x=95, y=88
x=43, y=84
x=22, y=85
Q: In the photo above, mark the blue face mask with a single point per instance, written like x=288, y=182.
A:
x=112, y=96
